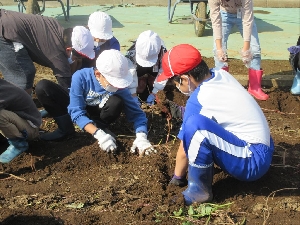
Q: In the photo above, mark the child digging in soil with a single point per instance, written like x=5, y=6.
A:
x=222, y=124
x=99, y=95
x=54, y=98
x=145, y=58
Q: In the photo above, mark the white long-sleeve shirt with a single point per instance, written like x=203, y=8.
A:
x=231, y=6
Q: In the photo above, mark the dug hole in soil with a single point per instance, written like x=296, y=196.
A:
x=73, y=182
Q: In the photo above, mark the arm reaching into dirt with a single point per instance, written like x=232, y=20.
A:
x=157, y=86
x=180, y=167
x=142, y=144
x=105, y=141
x=181, y=161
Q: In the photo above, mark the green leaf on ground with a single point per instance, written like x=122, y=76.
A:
x=75, y=205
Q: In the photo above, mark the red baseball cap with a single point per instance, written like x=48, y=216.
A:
x=178, y=60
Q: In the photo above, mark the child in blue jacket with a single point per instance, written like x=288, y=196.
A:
x=99, y=95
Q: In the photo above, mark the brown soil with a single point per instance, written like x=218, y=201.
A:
x=73, y=182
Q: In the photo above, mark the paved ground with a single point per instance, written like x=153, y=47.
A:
x=257, y=3
x=278, y=27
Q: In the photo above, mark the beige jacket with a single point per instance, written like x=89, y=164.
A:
x=231, y=6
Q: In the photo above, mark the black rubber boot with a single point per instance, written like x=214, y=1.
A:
x=65, y=128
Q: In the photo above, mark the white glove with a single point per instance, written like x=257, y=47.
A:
x=221, y=54
x=142, y=144
x=247, y=56
x=106, y=141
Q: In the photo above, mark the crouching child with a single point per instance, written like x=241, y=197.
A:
x=215, y=129
x=19, y=120
x=99, y=95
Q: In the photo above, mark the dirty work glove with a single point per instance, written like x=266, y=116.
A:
x=137, y=101
x=142, y=144
x=151, y=99
x=246, y=57
x=221, y=54
x=180, y=181
x=106, y=141
x=176, y=111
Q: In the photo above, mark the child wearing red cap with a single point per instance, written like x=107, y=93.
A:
x=215, y=128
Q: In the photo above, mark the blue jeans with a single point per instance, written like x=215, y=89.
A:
x=16, y=67
x=229, y=20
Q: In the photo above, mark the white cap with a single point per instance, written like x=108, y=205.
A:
x=147, y=48
x=83, y=41
x=100, y=25
x=114, y=67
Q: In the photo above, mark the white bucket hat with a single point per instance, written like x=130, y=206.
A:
x=114, y=67
x=100, y=25
x=83, y=41
x=147, y=48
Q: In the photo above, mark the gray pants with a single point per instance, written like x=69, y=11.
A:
x=13, y=126
x=16, y=67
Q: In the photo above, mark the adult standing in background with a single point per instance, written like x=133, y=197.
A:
x=225, y=14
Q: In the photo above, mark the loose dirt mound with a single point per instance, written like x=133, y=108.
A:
x=73, y=182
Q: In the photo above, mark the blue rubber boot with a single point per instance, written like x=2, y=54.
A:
x=44, y=113
x=15, y=148
x=199, y=185
x=295, y=89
